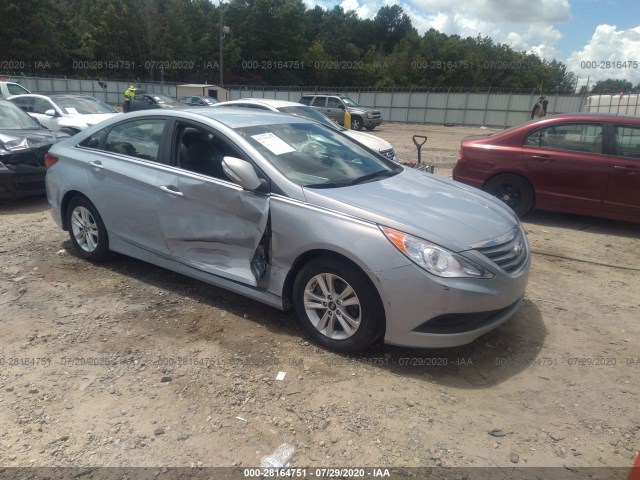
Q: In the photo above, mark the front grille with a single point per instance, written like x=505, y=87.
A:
x=390, y=154
x=511, y=256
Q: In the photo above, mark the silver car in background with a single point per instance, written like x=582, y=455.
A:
x=376, y=144
x=291, y=213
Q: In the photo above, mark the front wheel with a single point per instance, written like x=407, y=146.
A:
x=86, y=230
x=513, y=190
x=337, y=306
x=370, y=127
x=356, y=123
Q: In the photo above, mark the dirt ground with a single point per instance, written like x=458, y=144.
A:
x=126, y=364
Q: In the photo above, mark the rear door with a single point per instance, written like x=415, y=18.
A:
x=567, y=166
x=207, y=221
x=623, y=190
x=123, y=168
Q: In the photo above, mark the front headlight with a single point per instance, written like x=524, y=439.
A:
x=433, y=258
x=369, y=115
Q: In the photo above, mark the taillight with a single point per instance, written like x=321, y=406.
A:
x=463, y=157
x=50, y=160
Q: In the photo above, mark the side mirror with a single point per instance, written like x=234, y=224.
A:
x=50, y=113
x=342, y=107
x=241, y=172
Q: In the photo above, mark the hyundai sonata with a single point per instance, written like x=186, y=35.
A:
x=289, y=212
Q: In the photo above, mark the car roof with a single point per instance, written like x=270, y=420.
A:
x=267, y=102
x=229, y=116
x=584, y=116
x=52, y=96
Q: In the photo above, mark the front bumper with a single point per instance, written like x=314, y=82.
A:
x=18, y=185
x=371, y=122
x=424, y=311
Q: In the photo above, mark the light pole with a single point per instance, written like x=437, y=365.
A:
x=223, y=30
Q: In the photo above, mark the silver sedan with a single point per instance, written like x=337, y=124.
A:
x=293, y=214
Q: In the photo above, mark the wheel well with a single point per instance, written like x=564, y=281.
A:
x=65, y=203
x=533, y=190
x=306, y=257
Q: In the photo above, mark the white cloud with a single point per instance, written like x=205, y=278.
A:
x=362, y=11
x=603, y=56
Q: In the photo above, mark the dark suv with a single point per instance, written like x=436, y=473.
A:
x=334, y=106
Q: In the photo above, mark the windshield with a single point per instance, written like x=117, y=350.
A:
x=82, y=105
x=350, y=102
x=12, y=117
x=312, y=114
x=163, y=99
x=314, y=156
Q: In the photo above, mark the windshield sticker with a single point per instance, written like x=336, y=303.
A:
x=275, y=144
x=72, y=111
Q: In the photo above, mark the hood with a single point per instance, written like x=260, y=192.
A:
x=371, y=141
x=430, y=207
x=363, y=110
x=19, y=140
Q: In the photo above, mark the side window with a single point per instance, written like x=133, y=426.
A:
x=319, y=102
x=201, y=151
x=25, y=104
x=333, y=102
x=575, y=137
x=95, y=140
x=41, y=106
x=628, y=142
x=533, y=139
x=305, y=100
x=140, y=138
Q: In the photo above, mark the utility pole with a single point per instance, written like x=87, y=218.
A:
x=221, y=37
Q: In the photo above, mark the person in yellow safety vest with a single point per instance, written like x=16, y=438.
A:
x=128, y=96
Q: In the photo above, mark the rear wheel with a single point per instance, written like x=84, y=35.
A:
x=337, y=306
x=86, y=230
x=513, y=190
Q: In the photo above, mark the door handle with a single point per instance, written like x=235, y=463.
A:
x=628, y=169
x=541, y=157
x=96, y=164
x=171, y=190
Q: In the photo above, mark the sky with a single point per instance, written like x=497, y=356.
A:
x=596, y=39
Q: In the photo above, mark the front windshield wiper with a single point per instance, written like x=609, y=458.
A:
x=371, y=176
x=327, y=185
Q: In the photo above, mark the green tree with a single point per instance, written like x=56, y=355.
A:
x=612, y=86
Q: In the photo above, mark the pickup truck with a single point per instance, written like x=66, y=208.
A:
x=8, y=89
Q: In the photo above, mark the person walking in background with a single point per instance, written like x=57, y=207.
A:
x=540, y=108
x=128, y=97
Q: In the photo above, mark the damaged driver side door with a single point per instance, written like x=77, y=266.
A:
x=209, y=222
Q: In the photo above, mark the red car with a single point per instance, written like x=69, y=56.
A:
x=582, y=163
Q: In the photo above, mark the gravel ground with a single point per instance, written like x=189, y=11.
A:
x=124, y=364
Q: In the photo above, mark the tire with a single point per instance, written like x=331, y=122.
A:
x=87, y=231
x=356, y=123
x=371, y=127
x=333, y=283
x=513, y=190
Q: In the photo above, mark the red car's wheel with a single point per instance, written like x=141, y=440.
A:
x=513, y=190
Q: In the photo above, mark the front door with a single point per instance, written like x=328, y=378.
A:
x=567, y=166
x=207, y=221
x=623, y=191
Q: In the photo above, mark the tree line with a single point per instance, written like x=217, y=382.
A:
x=268, y=42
